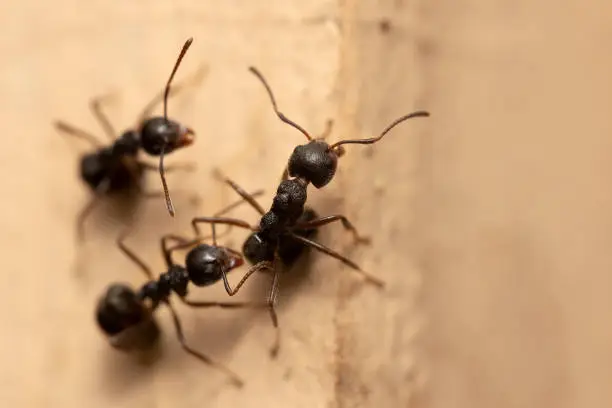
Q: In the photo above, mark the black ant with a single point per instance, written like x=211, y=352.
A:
x=116, y=167
x=126, y=316
x=315, y=162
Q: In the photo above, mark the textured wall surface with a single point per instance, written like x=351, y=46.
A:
x=491, y=221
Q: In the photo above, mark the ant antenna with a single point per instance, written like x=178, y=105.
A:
x=384, y=132
x=162, y=173
x=279, y=114
x=176, y=65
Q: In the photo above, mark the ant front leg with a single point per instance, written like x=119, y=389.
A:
x=223, y=305
x=96, y=109
x=219, y=220
x=359, y=239
x=255, y=268
x=70, y=130
x=249, y=198
x=329, y=125
x=237, y=381
x=167, y=251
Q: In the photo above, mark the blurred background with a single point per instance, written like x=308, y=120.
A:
x=491, y=221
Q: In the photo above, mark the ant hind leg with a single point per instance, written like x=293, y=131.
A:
x=237, y=381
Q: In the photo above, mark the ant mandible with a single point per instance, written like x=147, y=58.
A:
x=115, y=167
x=315, y=162
x=126, y=316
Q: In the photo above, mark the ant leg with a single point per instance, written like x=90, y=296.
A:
x=100, y=191
x=237, y=203
x=223, y=305
x=322, y=248
x=94, y=105
x=239, y=190
x=70, y=130
x=219, y=220
x=255, y=268
x=193, y=80
x=172, y=167
x=329, y=125
x=132, y=255
x=359, y=239
x=271, y=303
x=167, y=252
x=189, y=243
x=202, y=357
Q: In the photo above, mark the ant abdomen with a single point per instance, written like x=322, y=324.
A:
x=206, y=264
x=101, y=166
x=315, y=162
x=92, y=169
x=159, y=135
x=124, y=319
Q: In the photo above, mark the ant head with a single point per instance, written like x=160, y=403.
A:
x=256, y=249
x=206, y=264
x=315, y=161
x=93, y=169
x=118, y=309
x=160, y=135
x=128, y=144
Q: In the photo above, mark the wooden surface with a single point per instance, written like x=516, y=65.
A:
x=491, y=221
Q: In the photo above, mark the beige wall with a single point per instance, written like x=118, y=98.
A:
x=491, y=221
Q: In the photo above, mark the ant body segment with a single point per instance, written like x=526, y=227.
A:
x=116, y=167
x=126, y=315
x=312, y=163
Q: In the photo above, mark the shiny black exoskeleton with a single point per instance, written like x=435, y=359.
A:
x=126, y=315
x=124, y=318
x=315, y=162
x=256, y=249
x=204, y=266
x=116, y=167
x=286, y=228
